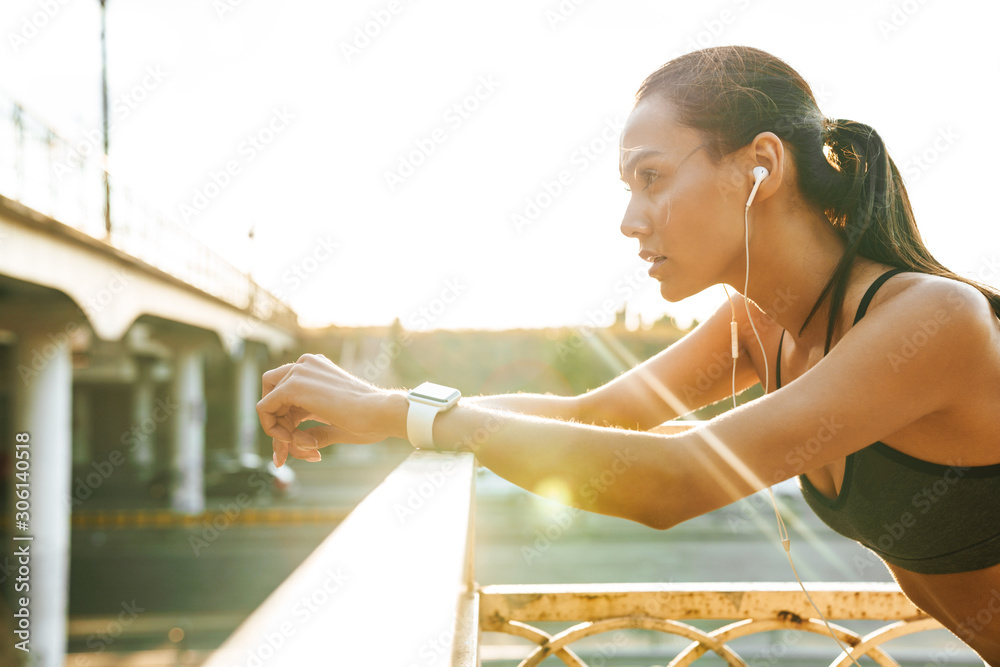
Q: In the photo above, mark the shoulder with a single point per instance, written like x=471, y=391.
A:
x=946, y=300
x=948, y=319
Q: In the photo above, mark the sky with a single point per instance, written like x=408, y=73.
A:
x=455, y=164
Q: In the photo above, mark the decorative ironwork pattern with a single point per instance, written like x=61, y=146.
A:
x=506, y=608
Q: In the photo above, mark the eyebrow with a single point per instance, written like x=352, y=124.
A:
x=641, y=154
x=635, y=158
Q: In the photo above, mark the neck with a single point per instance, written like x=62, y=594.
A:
x=793, y=253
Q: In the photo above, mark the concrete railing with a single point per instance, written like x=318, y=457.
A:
x=391, y=585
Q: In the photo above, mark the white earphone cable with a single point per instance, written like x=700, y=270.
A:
x=782, y=529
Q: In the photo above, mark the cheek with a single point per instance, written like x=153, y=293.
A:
x=683, y=220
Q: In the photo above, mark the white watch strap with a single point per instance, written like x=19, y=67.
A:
x=420, y=424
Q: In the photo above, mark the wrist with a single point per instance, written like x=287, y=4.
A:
x=396, y=406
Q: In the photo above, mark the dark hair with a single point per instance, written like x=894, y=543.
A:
x=732, y=93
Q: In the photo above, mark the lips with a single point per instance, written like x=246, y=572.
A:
x=650, y=256
x=655, y=258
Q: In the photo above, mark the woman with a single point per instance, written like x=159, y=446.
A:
x=881, y=367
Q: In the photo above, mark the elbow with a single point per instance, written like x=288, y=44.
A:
x=660, y=521
x=674, y=502
x=665, y=513
x=665, y=503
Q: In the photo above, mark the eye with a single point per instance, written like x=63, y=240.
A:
x=647, y=176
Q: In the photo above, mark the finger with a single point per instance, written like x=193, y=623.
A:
x=304, y=453
x=269, y=423
x=329, y=435
x=274, y=403
x=280, y=452
x=304, y=439
x=272, y=377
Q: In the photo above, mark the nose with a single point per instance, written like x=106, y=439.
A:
x=634, y=224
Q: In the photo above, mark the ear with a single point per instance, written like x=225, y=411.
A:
x=765, y=150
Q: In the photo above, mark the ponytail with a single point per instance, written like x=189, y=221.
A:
x=867, y=203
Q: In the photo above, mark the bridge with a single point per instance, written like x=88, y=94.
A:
x=144, y=310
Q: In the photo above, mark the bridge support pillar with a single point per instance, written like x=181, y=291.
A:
x=187, y=493
x=82, y=422
x=43, y=393
x=143, y=450
x=247, y=393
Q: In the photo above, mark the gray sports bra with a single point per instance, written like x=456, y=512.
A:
x=923, y=517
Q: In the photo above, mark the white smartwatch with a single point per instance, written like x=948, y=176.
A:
x=426, y=401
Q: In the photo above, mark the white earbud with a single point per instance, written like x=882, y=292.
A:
x=759, y=174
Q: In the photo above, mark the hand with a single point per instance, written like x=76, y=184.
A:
x=314, y=388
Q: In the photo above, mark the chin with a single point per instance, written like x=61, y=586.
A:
x=673, y=292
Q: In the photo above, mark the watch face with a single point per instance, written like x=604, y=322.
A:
x=435, y=392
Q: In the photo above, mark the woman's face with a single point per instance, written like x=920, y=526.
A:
x=683, y=209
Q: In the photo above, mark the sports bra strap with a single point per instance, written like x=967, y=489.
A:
x=862, y=309
x=867, y=298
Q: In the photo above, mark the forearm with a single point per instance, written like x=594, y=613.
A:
x=566, y=408
x=610, y=471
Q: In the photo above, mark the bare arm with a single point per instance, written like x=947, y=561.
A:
x=693, y=372
x=566, y=408
x=855, y=393
x=859, y=393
